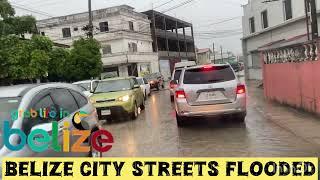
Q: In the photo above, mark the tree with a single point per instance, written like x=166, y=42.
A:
x=17, y=25
x=57, y=64
x=85, y=60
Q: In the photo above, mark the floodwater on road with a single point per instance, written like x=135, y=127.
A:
x=155, y=134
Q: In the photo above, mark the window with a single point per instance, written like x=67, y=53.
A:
x=66, y=32
x=41, y=103
x=177, y=74
x=287, y=9
x=133, y=47
x=63, y=99
x=75, y=29
x=104, y=26
x=208, y=76
x=252, y=25
x=264, y=19
x=107, y=49
x=43, y=33
x=131, y=26
x=82, y=101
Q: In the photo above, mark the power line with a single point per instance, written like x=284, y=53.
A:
x=163, y=4
x=177, y=6
x=22, y=7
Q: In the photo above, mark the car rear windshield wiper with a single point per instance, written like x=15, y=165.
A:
x=215, y=81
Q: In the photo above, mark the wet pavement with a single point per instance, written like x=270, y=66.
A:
x=270, y=130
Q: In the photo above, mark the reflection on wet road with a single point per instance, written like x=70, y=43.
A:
x=155, y=133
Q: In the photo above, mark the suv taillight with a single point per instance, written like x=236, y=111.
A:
x=241, y=89
x=180, y=94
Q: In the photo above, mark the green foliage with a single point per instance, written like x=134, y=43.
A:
x=39, y=63
x=5, y=9
x=18, y=25
x=57, y=64
x=22, y=59
x=85, y=60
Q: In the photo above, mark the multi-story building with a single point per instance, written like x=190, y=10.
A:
x=173, y=40
x=267, y=22
x=124, y=34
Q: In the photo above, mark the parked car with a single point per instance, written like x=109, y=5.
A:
x=236, y=66
x=87, y=86
x=174, y=82
x=176, y=76
x=155, y=80
x=118, y=97
x=64, y=97
x=145, y=87
x=209, y=90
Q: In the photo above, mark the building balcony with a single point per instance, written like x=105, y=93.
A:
x=172, y=35
x=129, y=57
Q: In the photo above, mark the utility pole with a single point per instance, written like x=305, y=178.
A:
x=90, y=28
x=314, y=20
x=214, y=53
x=221, y=54
x=311, y=19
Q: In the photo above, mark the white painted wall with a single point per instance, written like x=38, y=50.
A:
x=278, y=29
x=118, y=37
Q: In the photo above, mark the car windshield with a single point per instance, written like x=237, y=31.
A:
x=7, y=107
x=208, y=75
x=113, y=86
x=85, y=86
x=140, y=81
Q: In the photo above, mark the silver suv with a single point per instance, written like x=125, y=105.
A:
x=209, y=90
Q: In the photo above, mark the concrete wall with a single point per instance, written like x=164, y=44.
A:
x=295, y=84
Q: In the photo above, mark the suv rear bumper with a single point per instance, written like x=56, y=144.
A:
x=185, y=110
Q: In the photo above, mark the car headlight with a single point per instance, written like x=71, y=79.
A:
x=124, y=98
x=93, y=101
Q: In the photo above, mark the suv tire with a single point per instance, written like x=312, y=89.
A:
x=180, y=120
x=241, y=117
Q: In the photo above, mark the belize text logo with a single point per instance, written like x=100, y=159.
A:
x=40, y=140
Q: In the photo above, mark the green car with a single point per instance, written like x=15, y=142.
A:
x=117, y=98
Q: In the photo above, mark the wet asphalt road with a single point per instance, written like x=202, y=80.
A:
x=270, y=130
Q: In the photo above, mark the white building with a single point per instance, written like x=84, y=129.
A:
x=124, y=34
x=265, y=23
x=203, y=56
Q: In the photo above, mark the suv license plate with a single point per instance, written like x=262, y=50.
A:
x=211, y=96
x=106, y=112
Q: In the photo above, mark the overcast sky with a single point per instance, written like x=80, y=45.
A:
x=208, y=16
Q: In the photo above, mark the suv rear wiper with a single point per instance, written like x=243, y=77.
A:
x=214, y=81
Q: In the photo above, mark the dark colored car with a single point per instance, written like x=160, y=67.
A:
x=236, y=66
x=155, y=80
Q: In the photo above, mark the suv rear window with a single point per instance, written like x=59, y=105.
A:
x=208, y=75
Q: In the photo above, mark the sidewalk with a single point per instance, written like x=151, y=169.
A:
x=299, y=123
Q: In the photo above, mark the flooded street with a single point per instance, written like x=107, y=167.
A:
x=270, y=130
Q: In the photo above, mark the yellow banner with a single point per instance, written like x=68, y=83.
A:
x=160, y=168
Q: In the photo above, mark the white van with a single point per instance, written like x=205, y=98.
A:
x=184, y=64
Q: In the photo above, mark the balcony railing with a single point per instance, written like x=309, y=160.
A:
x=308, y=51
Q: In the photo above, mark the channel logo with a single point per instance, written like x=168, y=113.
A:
x=40, y=140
